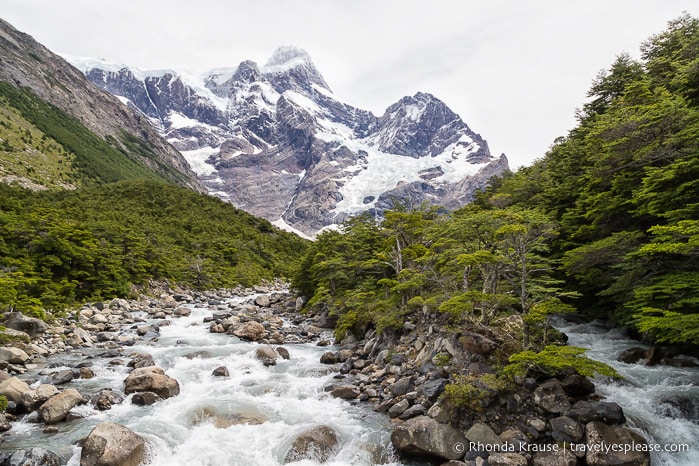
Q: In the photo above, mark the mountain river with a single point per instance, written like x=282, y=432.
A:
x=195, y=428
x=661, y=401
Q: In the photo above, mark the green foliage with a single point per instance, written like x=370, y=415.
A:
x=668, y=326
x=3, y=403
x=62, y=248
x=554, y=359
x=623, y=188
x=474, y=393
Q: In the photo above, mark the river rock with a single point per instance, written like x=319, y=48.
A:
x=221, y=371
x=145, y=398
x=182, y=311
x=433, y=388
x=600, y=434
x=29, y=325
x=13, y=355
x=631, y=355
x=283, y=352
x=33, y=457
x=151, y=379
x=141, y=360
x=251, y=330
x=346, y=392
x=61, y=377
x=551, y=396
x=423, y=436
x=578, y=386
x=413, y=411
x=32, y=399
x=315, y=444
x=506, y=459
x=13, y=388
x=106, y=398
x=558, y=457
x=56, y=408
x=603, y=411
x=398, y=408
x=482, y=434
x=565, y=429
x=402, y=386
x=111, y=444
x=266, y=352
x=329, y=357
x=263, y=300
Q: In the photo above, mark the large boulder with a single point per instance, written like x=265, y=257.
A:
x=251, y=330
x=423, y=436
x=57, y=407
x=111, y=444
x=13, y=388
x=623, y=441
x=151, y=379
x=13, y=355
x=315, y=444
x=29, y=325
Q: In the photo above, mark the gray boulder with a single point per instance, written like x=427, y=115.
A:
x=13, y=388
x=623, y=438
x=423, y=436
x=551, y=396
x=252, y=331
x=13, y=355
x=57, y=407
x=151, y=379
x=111, y=444
x=315, y=444
x=29, y=325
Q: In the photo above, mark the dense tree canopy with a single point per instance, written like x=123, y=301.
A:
x=607, y=222
x=62, y=248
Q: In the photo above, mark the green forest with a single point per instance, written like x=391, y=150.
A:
x=605, y=224
x=62, y=248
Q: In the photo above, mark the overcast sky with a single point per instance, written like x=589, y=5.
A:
x=514, y=70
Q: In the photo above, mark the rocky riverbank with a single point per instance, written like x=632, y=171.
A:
x=404, y=374
x=546, y=421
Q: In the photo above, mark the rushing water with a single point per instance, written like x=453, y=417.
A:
x=661, y=401
x=286, y=399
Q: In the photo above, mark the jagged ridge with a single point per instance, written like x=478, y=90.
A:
x=275, y=141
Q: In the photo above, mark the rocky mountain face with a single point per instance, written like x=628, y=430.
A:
x=275, y=141
x=26, y=64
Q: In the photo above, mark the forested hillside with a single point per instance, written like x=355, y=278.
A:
x=607, y=223
x=62, y=248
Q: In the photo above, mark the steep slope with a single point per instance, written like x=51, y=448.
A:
x=77, y=123
x=275, y=141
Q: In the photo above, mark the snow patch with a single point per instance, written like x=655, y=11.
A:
x=382, y=172
x=197, y=160
x=282, y=225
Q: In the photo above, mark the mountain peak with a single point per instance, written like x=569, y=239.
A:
x=288, y=55
x=291, y=67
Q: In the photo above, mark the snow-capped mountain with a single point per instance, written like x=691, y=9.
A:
x=274, y=140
